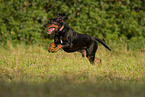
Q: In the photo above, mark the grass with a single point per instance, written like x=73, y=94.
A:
x=30, y=71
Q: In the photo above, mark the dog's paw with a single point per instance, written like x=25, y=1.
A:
x=49, y=49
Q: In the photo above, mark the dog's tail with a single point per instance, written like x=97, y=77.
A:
x=103, y=43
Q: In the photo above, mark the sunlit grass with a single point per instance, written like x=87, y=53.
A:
x=23, y=64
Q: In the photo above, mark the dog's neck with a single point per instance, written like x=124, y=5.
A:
x=61, y=28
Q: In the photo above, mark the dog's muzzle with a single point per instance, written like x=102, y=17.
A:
x=50, y=31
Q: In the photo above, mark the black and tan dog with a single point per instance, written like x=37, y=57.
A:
x=70, y=41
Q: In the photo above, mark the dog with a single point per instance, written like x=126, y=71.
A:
x=70, y=41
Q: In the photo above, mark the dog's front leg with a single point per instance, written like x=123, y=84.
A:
x=51, y=47
x=59, y=47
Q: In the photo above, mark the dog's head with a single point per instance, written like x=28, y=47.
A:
x=55, y=24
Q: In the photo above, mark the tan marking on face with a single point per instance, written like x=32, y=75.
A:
x=52, y=26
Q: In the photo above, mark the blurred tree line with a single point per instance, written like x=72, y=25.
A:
x=107, y=19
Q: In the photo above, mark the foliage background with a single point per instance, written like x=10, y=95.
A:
x=31, y=71
x=107, y=19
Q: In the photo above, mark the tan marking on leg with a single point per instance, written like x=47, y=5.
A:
x=98, y=61
x=84, y=52
x=89, y=58
x=51, y=46
x=57, y=48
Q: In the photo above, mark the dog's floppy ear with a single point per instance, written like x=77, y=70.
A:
x=62, y=15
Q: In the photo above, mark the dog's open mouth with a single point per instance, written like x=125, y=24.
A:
x=50, y=31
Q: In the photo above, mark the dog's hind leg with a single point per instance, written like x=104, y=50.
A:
x=98, y=61
x=90, y=55
x=91, y=59
x=91, y=52
x=83, y=52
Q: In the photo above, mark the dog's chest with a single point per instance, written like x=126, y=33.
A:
x=62, y=39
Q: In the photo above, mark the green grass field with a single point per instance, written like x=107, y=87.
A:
x=30, y=71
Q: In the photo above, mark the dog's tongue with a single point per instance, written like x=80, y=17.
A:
x=50, y=30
